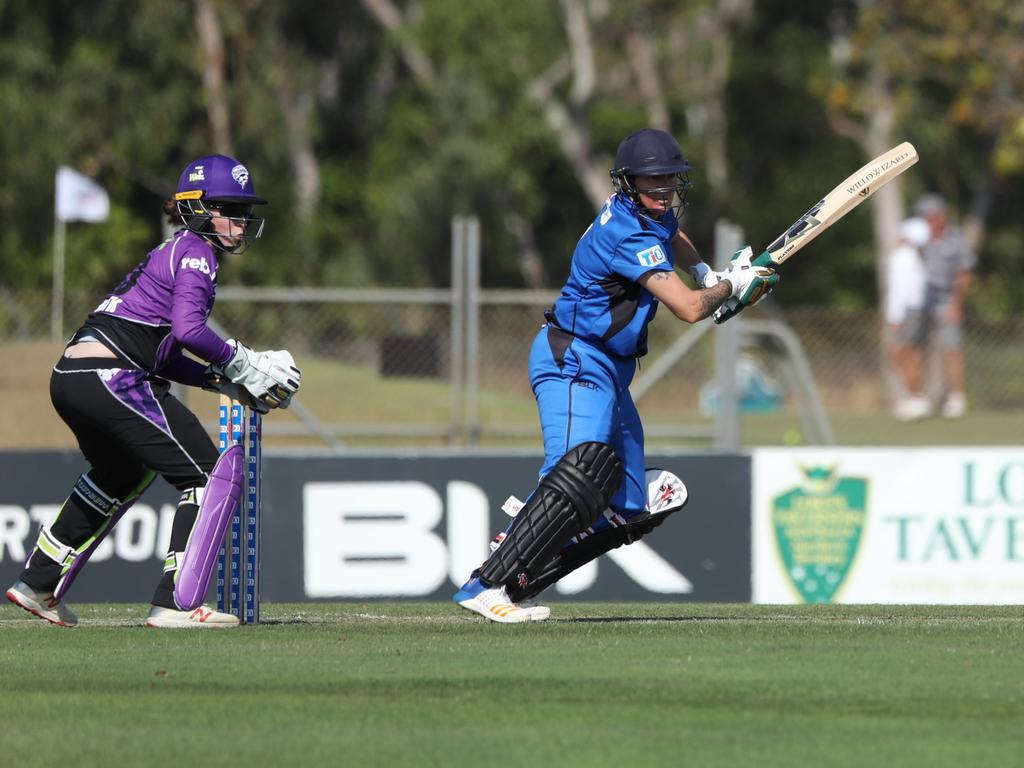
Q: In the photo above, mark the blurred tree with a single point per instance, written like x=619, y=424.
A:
x=575, y=81
x=94, y=88
x=462, y=137
x=950, y=76
x=368, y=125
x=783, y=155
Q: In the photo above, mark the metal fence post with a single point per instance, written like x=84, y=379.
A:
x=472, y=392
x=728, y=239
x=458, y=327
x=57, y=294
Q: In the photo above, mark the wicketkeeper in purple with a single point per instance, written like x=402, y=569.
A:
x=112, y=388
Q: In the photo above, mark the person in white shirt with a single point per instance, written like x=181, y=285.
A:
x=904, y=310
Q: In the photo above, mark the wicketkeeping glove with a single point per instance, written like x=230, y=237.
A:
x=269, y=376
x=215, y=380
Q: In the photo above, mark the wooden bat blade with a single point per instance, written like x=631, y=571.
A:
x=854, y=190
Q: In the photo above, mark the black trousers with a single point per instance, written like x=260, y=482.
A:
x=125, y=421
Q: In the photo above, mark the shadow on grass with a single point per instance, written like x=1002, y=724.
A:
x=646, y=619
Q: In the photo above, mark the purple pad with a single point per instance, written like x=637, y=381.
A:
x=221, y=497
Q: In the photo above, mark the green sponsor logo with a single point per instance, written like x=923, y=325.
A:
x=818, y=528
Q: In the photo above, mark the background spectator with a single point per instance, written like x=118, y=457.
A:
x=905, y=319
x=949, y=262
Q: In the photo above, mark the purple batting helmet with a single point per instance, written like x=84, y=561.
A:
x=223, y=184
x=218, y=177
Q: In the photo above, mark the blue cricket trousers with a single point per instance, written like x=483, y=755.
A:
x=582, y=396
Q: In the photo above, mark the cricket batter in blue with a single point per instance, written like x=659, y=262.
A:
x=112, y=388
x=594, y=493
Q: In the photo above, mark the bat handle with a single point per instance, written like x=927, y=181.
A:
x=729, y=309
x=733, y=307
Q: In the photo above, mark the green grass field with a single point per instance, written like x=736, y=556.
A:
x=396, y=684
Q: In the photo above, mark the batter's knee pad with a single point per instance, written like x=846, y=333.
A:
x=568, y=500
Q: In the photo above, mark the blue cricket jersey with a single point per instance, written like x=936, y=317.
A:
x=601, y=302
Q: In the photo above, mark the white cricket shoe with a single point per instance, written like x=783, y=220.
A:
x=42, y=604
x=537, y=612
x=955, y=406
x=494, y=603
x=199, y=618
x=913, y=408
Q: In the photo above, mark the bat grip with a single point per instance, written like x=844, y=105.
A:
x=728, y=310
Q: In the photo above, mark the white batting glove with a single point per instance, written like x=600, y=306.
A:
x=704, y=276
x=749, y=284
x=729, y=309
x=742, y=257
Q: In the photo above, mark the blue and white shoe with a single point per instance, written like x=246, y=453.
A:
x=494, y=603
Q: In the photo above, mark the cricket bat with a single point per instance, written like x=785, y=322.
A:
x=854, y=190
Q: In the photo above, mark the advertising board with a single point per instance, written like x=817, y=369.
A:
x=396, y=526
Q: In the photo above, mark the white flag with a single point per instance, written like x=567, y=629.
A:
x=79, y=198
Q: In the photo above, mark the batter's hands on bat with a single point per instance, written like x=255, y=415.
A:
x=704, y=276
x=750, y=284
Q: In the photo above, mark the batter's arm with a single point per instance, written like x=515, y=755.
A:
x=687, y=304
x=687, y=257
x=685, y=251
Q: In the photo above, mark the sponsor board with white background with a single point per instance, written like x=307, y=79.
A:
x=868, y=525
x=397, y=525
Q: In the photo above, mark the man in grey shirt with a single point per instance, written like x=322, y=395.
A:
x=949, y=261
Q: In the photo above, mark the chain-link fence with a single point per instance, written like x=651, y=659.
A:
x=435, y=367
x=448, y=366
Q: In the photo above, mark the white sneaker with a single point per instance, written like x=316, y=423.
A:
x=537, y=612
x=955, y=406
x=493, y=603
x=913, y=407
x=200, y=618
x=41, y=604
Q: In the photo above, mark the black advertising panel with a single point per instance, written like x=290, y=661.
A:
x=407, y=525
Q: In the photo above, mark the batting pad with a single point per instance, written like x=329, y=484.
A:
x=665, y=494
x=568, y=500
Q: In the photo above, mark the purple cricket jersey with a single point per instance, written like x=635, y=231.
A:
x=163, y=304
